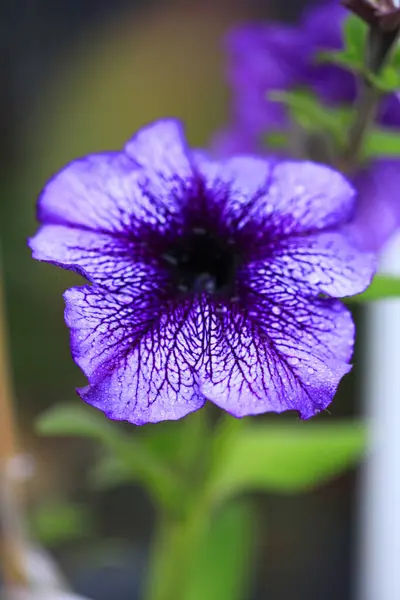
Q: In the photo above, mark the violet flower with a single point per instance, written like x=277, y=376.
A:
x=211, y=280
x=267, y=57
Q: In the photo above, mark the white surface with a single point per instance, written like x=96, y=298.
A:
x=20, y=594
x=379, y=548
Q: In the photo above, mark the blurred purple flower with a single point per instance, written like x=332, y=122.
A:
x=378, y=212
x=207, y=278
x=267, y=57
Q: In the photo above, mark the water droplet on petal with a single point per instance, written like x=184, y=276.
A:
x=313, y=277
x=293, y=360
x=310, y=370
x=276, y=310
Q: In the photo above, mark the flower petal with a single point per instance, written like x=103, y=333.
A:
x=281, y=198
x=139, y=354
x=161, y=148
x=234, y=180
x=114, y=262
x=303, y=196
x=262, y=361
x=97, y=192
x=326, y=262
x=113, y=192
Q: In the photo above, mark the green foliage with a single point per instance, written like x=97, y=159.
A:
x=341, y=58
x=354, y=35
x=382, y=287
x=77, y=420
x=352, y=55
x=387, y=81
x=57, y=522
x=283, y=458
x=221, y=569
x=245, y=456
x=276, y=140
x=308, y=111
x=111, y=471
x=129, y=454
x=381, y=142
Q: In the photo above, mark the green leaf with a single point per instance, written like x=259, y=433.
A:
x=306, y=110
x=223, y=565
x=175, y=441
x=387, y=81
x=132, y=455
x=381, y=288
x=395, y=57
x=381, y=142
x=57, y=522
x=276, y=139
x=352, y=57
x=77, y=420
x=343, y=58
x=354, y=34
x=285, y=458
x=111, y=472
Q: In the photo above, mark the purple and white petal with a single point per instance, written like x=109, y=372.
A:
x=284, y=198
x=322, y=263
x=160, y=149
x=106, y=193
x=274, y=359
x=99, y=192
x=139, y=354
x=234, y=182
x=301, y=197
x=114, y=192
x=112, y=261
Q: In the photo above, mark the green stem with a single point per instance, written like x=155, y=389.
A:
x=366, y=109
x=165, y=484
x=179, y=535
x=378, y=48
x=174, y=553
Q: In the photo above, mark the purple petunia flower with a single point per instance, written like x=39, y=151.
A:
x=209, y=280
x=267, y=57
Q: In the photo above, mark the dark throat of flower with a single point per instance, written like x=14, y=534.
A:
x=201, y=261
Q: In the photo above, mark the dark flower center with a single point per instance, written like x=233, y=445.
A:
x=203, y=262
